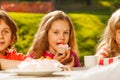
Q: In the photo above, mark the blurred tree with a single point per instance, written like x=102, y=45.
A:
x=88, y=2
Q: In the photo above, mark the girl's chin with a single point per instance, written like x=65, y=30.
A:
x=3, y=48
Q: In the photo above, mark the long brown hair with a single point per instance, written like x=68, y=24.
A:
x=108, y=38
x=40, y=43
x=10, y=22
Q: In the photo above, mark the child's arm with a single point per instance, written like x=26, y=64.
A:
x=102, y=53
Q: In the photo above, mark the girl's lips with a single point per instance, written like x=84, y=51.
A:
x=2, y=42
x=60, y=43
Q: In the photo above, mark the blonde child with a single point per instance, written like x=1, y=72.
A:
x=55, y=38
x=8, y=37
x=108, y=49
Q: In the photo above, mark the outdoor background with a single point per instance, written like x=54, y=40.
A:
x=89, y=17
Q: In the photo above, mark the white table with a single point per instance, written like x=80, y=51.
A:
x=65, y=75
x=13, y=76
x=110, y=72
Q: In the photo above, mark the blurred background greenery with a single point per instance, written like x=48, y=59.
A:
x=89, y=17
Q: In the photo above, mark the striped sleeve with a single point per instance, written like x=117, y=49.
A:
x=106, y=61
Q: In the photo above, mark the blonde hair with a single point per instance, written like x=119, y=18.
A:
x=108, y=39
x=10, y=22
x=40, y=43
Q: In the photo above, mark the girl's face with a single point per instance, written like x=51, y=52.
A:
x=118, y=37
x=5, y=36
x=58, y=33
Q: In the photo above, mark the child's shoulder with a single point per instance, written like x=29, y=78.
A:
x=12, y=51
x=14, y=55
x=72, y=52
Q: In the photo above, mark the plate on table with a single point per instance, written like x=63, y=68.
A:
x=73, y=71
x=42, y=72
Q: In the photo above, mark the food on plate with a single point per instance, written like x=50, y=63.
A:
x=39, y=64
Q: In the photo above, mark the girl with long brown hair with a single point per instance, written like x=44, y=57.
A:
x=55, y=38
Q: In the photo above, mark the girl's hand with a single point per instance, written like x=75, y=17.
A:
x=63, y=55
x=118, y=57
x=66, y=68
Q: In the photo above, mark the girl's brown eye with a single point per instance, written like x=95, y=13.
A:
x=66, y=32
x=6, y=32
x=55, y=32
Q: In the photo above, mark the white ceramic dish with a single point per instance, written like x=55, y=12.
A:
x=68, y=73
x=32, y=72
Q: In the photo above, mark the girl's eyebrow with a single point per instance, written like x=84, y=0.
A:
x=67, y=30
x=6, y=28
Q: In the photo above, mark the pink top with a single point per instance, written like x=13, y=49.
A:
x=76, y=62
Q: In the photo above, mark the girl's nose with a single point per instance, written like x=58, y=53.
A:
x=1, y=35
x=61, y=36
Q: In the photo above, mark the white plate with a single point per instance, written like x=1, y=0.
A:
x=32, y=72
x=68, y=73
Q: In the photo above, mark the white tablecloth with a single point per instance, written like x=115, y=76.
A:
x=108, y=72
x=13, y=76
